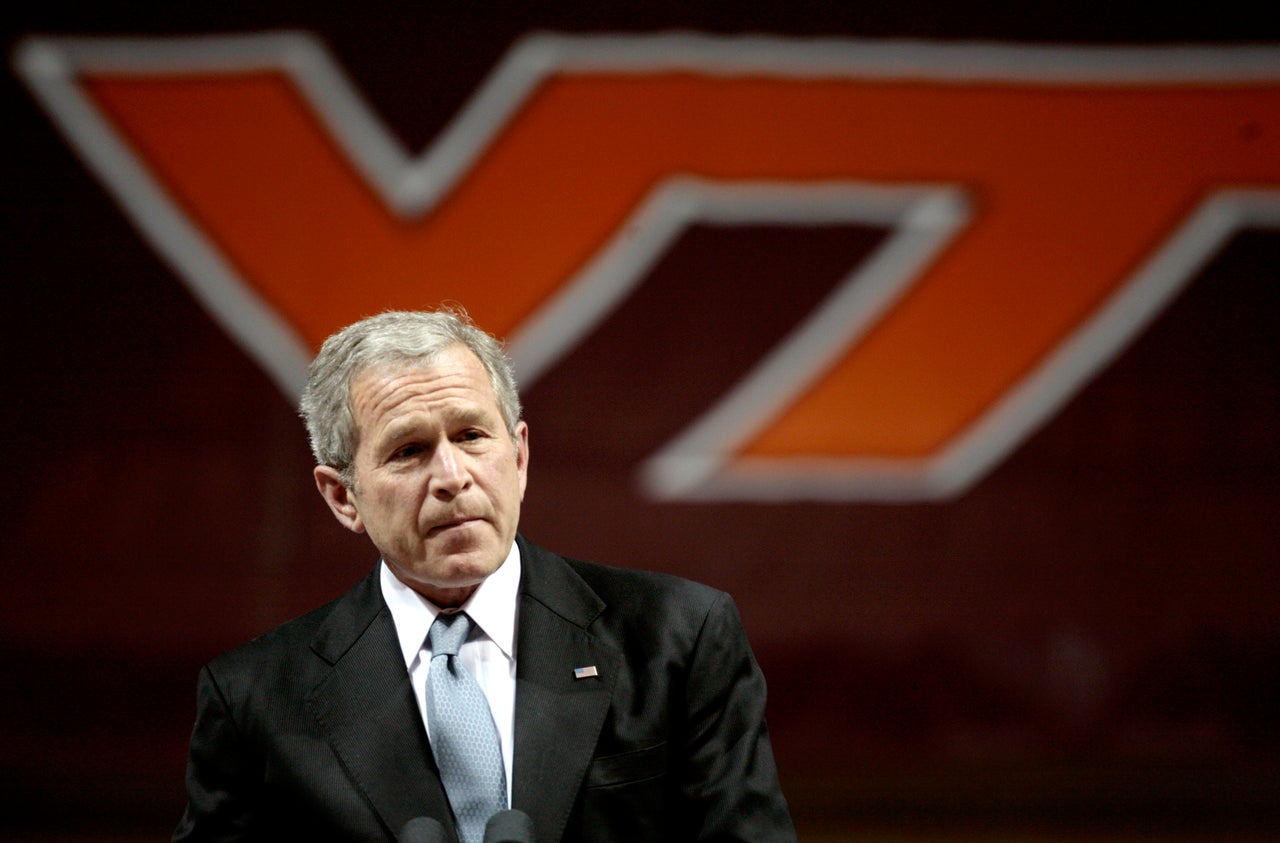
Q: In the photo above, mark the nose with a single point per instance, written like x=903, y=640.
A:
x=449, y=475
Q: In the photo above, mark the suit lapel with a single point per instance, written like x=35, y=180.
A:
x=558, y=715
x=367, y=709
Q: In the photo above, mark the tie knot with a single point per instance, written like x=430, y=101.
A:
x=447, y=633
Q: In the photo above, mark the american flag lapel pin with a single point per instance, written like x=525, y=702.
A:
x=585, y=672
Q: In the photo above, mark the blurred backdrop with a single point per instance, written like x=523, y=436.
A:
x=942, y=337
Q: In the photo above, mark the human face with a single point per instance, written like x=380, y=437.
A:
x=438, y=479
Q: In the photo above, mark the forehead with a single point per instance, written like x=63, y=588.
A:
x=453, y=379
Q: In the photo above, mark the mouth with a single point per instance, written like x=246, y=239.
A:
x=451, y=524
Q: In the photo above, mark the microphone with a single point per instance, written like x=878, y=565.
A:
x=509, y=827
x=423, y=830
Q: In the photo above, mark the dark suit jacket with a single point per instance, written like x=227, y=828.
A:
x=312, y=732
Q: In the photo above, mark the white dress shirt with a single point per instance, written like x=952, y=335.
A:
x=488, y=654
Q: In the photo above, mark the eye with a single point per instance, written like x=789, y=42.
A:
x=406, y=452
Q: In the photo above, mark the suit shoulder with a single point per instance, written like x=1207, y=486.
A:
x=646, y=590
x=285, y=638
x=327, y=629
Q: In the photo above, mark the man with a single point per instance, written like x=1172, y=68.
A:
x=613, y=704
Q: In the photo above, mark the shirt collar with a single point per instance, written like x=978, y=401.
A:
x=492, y=608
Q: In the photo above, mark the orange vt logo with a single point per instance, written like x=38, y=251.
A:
x=1041, y=206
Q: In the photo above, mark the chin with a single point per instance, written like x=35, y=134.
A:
x=466, y=569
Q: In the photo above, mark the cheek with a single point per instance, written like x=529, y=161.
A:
x=392, y=503
x=511, y=480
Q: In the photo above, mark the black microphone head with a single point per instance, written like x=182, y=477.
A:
x=509, y=827
x=422, y=830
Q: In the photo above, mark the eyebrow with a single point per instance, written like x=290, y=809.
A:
x=406, y=429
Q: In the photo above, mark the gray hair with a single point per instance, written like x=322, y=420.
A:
x=391, y=338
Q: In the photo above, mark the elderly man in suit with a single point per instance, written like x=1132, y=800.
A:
x=606, y=704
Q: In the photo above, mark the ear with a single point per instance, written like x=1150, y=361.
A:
x=340, y=499
x=522, y=454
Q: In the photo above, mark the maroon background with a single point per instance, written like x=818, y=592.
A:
x=1085, y=643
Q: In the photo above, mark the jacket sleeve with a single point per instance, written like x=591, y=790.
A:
x=223, y=775
x=729, y=781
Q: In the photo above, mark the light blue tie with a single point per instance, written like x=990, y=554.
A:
x=463, y=736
